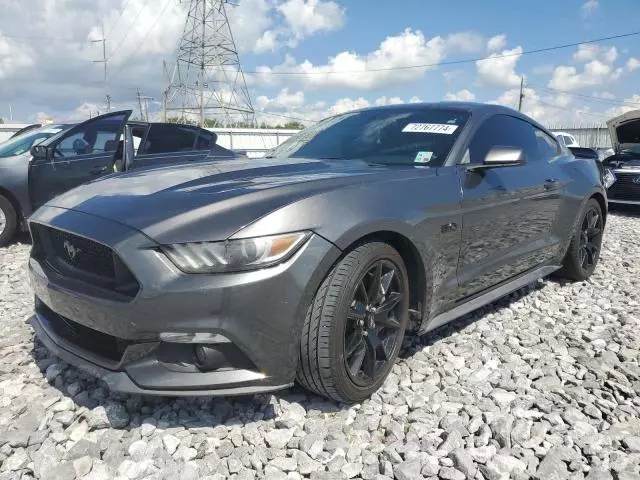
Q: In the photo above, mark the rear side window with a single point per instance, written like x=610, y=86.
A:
x=169, y=138
x=503, y=131
x=205, y=141
x=547, y=145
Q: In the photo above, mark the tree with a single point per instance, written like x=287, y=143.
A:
x=294, y=125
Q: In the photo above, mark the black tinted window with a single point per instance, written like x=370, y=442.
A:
x=503, y=131
x=205, y=141
x=169, y=138
x=410, y=134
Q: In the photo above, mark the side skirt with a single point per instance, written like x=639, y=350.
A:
x=488, y=297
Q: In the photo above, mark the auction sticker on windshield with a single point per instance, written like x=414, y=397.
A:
x=423, y=157
x=441, y=128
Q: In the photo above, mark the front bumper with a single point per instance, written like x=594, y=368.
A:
x=260, y=312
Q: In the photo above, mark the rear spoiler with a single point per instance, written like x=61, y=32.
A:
x=583, y=152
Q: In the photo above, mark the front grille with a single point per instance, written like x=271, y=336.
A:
x=82, y=259
x=624, y=188
x=85, y=338
x=82, y=253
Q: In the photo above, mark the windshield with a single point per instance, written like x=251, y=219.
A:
x=22, y=143
x=399, y=135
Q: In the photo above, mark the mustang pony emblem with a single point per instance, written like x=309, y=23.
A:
x=636, y=180
x=71, y=249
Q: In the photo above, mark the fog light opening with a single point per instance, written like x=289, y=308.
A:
x=193, y=337
x=208, y=358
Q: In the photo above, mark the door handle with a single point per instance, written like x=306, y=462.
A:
x=98, y=169
x=550, y=183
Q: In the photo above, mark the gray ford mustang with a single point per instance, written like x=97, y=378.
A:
x=312, y=263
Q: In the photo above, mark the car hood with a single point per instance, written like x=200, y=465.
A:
x=174, y=204
x=625, y=130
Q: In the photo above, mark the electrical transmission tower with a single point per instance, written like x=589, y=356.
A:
x=208, y=82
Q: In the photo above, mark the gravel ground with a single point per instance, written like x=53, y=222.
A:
x=544, y=384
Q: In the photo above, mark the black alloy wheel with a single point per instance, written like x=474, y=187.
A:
x=583, y=253
x=590, y=238
x=372, y=332
x=354, y=328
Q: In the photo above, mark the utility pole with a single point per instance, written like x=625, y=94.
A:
x=144, y=112
x=521, y=98
x=107, y=97
x=139, y=97
x=165, y=91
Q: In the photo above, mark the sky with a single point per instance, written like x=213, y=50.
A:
x=48, y=53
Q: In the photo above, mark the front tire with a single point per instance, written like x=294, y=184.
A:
x=584, y=250
x=8, y=221
x=355, y=325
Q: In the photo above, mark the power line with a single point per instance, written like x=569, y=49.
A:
x=454, y=62
x=598, y=115
x=610, y=101
x=124, y=8
x=128, y=57
x=128, y=30
x=299, y=119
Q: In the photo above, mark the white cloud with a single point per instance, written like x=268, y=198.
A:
x=595, y=73
x=380, y=68
x=605, y=95
x=307, y=17
x=465, y=42
x=453, y=76
x=14, y=57
x=634, y=99
x=461, y=96
x=295, y=106
x=497, y=43
x=590, y=52
x=633, y=64
x=589, y=7
x=543, y=69
x=283, y=100
x=499, y=71
x=388, y=101
x=349, y=69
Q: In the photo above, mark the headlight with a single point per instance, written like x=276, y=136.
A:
x=234, y=255
x=608, y=178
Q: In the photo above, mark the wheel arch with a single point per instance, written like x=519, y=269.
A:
x=413, y=261
x=14, y=203
x=603, y=206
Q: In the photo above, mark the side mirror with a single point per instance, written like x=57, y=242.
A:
x=504, y=157
x=38, y=152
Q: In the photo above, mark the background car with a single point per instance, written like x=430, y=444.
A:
x=42, y=163
x=312, y=263
x=625, y=163
x=566, y=139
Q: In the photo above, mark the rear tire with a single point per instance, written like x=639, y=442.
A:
x=584, y=250
x=354, y=327
x=8, y=221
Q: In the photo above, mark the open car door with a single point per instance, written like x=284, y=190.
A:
x=76, y=156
